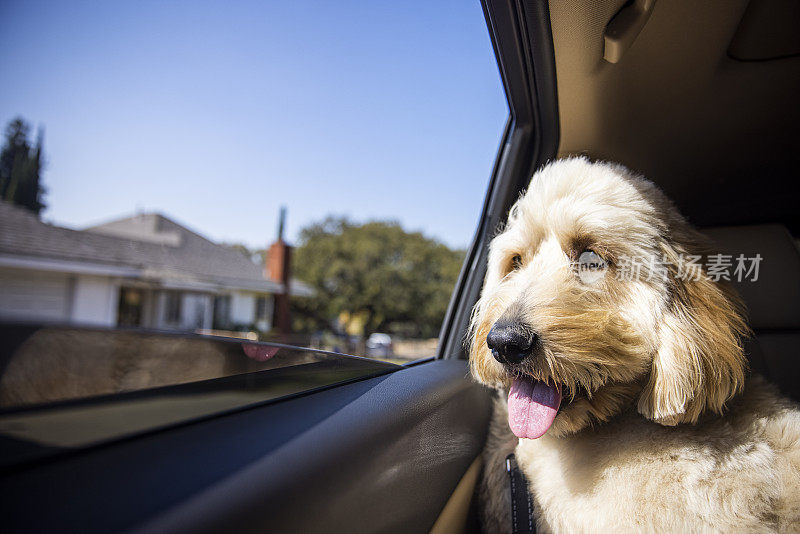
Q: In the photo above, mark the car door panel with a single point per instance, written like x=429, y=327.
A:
x=382, y=454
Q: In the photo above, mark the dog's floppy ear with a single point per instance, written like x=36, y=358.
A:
x=699, y=363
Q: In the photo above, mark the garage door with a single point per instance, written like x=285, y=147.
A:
x=34, y=295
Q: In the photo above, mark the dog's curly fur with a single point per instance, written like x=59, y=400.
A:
x=659, y=428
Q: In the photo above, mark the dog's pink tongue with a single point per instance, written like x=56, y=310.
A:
x=532, y=407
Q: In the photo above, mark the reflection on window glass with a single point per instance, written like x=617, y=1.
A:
x=126, y=382
x=305, y=172
x=103, y=362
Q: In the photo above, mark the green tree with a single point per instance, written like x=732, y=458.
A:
x=20, y=168
x=390, y=279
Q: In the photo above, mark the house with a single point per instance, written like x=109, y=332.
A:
x=140, y=271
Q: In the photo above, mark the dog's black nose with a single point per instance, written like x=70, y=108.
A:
x=510, y=342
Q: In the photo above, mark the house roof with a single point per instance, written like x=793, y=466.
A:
x=147, y=246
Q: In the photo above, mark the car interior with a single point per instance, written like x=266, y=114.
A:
x=700, y=97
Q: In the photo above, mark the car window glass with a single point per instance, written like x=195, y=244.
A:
x=133, y=381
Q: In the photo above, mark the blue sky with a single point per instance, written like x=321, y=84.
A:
x=218, y=113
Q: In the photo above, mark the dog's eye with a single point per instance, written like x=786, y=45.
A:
x=516, y=262
x=589, y=260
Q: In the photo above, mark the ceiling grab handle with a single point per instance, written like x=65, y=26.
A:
x=624, y=27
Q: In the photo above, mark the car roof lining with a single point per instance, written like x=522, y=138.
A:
x=719, y=135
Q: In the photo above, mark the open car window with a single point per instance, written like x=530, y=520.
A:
x=245, y=170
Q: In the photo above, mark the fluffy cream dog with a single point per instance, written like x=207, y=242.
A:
x=627, y=395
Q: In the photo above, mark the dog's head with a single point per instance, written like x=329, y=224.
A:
x=595, y=299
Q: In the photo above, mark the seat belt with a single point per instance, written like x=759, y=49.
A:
x=521, y=501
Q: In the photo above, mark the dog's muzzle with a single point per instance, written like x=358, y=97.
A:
x=510, y=343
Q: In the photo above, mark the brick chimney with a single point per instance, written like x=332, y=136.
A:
x=278, y=268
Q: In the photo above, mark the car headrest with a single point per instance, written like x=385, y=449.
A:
x=773, y=299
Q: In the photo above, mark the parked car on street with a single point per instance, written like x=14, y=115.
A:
x=379, y=345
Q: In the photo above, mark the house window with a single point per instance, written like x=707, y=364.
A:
x=172, y=307
x=222, y=312
x=129, y=309
x=262, y=308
